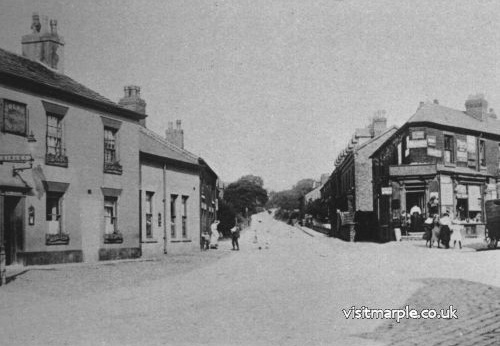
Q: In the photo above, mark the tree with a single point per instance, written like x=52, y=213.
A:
x=304, y=186
x=246, y=194
x=258, y=181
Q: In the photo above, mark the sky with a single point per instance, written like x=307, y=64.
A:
x=273, y=88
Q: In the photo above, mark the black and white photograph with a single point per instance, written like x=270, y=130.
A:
x=236, y=172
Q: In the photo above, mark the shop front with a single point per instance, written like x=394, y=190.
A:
x=422, y=191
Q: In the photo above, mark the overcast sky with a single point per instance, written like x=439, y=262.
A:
x=274, y=88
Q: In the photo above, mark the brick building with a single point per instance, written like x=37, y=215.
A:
x=439, y=152
x=349, y=188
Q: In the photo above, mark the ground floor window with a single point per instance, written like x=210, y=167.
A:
x=149, y=214
x=173, y=212
x=110, y=215
x=184, y=216
x=54, y=212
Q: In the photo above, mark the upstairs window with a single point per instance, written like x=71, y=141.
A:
x=55, y=153
x=449, y=149
x=110, y=146
x=482, y=153
x=14, y=117
x=111, y=152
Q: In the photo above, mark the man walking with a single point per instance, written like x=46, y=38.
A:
x=235, y=234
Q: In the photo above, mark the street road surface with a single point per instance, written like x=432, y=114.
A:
x=284, y=287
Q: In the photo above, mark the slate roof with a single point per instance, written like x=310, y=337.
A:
x=153, y=144
x=437, y=114
x=29, y=74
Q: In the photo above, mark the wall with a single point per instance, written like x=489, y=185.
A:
x=179, y=182
x=83, y=210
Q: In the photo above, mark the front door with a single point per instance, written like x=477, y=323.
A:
x=13, y=227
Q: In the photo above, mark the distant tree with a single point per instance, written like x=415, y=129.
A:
x=304, y=186
x=318, y=209
x=246, y=193
x=226, y=215
x=253, y=179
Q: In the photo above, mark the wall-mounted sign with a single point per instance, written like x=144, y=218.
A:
x=434, y=152
x=461, y=145
x=418, y=135
x=462, y=156
x=419, y=143
x=19, y=158
x=431, y=141
x=386, y=190
x=471, y=144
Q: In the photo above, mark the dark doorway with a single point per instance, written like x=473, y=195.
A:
x=415, y=198
x=13, y=227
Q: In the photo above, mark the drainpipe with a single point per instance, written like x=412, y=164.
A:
x=164, y=208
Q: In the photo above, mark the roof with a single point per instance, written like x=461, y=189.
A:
x=153, y=144
x=392, y=129
x=32, y=75
x=437, y=114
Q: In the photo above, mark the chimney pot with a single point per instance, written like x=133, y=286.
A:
x=35, y=25
x=53, y=27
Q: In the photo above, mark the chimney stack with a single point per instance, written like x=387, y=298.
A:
x=132, y=100
x=175, y=136
x=477, y=107
x=43, y=45
x=379, y=123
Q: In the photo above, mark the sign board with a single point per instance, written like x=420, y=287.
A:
x=387, y=190
x=434, y=152
x=431, y=141
x=20, y=158
x=418, y=135
x=419, y=143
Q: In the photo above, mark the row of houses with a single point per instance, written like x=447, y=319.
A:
x=82, y=178
x=450, y=156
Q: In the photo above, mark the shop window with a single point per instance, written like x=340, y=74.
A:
x=14, y=117
x=449, y=149
x=184, y=216
x=482, y=153
x=149, y=214
x=173, y=231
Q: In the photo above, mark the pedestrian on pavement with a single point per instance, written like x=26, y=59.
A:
x=214, y=237
x=456, y=235
x=205, y=236
x=235, y=234
x=445, y=232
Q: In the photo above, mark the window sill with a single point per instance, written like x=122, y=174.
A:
x=113, y=238
x=57, y=239
x=181, y=241
x=149, y=241
x=113, y=168
x=56, y=160
x=449, y=164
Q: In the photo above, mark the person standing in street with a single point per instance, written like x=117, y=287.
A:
x=214, y=236
x=235, y=234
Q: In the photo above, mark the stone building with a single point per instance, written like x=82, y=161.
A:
x=349, y=188
x=439, y=152
x=75, y=197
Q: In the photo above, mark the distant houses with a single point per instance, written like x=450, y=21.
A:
x=82, y=179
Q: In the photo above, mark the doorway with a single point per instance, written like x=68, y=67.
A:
x=415, y=198
x=13, y=227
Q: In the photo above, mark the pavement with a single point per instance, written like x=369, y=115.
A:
x=284, y=287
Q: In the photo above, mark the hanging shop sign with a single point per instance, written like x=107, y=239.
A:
x=18, y=158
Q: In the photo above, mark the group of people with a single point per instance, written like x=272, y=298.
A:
x=210, y=239
x=444, y=230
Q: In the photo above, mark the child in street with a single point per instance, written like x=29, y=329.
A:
x=235, y=234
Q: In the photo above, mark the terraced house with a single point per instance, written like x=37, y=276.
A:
x=440, y=152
